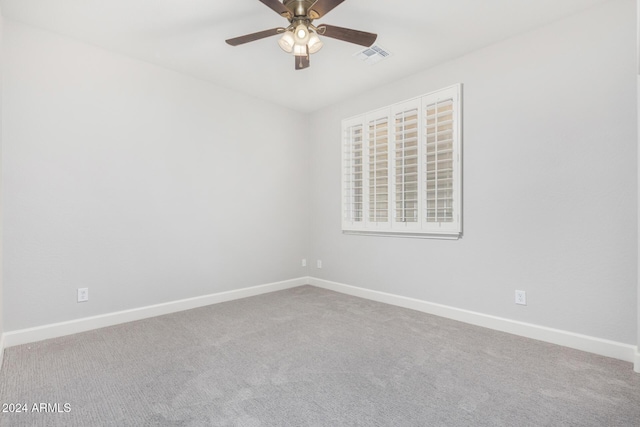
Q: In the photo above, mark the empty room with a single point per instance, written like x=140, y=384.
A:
x=319, y=213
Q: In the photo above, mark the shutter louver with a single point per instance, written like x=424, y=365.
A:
x=378, y=149
x=406, y=166
x=353, y=174
x=439, y=161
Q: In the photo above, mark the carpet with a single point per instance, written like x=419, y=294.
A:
x=311, y=357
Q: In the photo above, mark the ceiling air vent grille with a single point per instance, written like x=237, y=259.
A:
x=372, y=54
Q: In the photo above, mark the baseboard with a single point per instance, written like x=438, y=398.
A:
x=587, y=343
x=55, y=330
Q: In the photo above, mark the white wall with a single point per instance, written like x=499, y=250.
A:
x=142, y=184
x=1, y=222
x=637, y=356
x=637, y=361
x=550, y=185
x=119, y=175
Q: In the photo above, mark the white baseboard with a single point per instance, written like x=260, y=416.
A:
x=39, y=333
x=587, y=343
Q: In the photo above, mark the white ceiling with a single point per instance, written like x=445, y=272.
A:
x=188, y=36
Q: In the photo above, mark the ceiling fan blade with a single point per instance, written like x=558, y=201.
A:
x=254, y=36
x=322, y=7
x=302, y=62
x=348, y=35
x=278, y=7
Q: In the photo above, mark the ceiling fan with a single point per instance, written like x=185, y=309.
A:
x=301, y=36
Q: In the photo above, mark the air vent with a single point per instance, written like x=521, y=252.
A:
x=372, y=54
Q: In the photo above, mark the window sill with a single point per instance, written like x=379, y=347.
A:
x=406, y=234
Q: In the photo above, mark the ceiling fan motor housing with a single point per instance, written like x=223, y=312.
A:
x=300, y=8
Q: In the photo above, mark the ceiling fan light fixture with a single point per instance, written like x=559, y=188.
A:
x=314, y=43
x=287, y=42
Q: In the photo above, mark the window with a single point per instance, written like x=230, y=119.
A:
x=401, y=168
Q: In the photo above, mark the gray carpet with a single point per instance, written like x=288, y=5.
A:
x=311, y=357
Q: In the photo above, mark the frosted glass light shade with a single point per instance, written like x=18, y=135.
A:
x=287, y=41
x=300, y=49
x=301, y=34
x=314, y=43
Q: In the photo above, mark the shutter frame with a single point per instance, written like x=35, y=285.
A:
x=438, y=152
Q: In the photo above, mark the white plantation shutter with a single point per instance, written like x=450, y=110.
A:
x=378, y=169
x=406, y=164
x=353, y=173
x=441, y=160
x=402, y=168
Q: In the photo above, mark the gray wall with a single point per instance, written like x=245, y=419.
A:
x=550, y=188
x=142, y=184
x=1, y=174
x=136, y=182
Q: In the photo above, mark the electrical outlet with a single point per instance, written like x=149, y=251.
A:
x=83, y=294
x=521, y=297
x=304, y=262
x=319, y=263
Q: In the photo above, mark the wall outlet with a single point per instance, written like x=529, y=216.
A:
x=521, y=297
x=319, y=263
x=83, y=294
x=304, y=262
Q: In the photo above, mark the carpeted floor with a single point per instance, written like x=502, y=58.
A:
x=312, y=357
